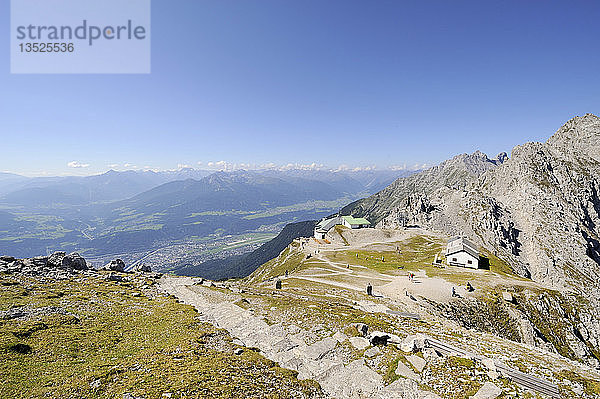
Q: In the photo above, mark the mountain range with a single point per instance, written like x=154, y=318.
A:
x=124, y=212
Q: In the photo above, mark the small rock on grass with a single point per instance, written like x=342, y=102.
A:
x=417, y=362
x=372, y=352
x=404, y=371
x=340, y=337
x=359, y=343
x=489, y=390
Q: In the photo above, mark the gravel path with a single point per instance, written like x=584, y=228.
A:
x=288, y=346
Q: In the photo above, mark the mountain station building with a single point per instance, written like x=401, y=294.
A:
x=462, y=252
x=325, y=225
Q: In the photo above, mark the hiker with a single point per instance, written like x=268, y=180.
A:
x=348, y=266
x=286, y=273
x=369, y=289
x=453, y=292
x=470, y=287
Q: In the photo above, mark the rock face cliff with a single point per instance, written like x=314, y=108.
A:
x=538, y=210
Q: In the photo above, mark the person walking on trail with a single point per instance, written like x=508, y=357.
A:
x=453, y=292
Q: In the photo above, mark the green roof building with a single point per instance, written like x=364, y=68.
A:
x=355, y=223
x=325, y=225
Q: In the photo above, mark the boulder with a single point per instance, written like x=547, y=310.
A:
x=409, y=344
x=7, y=259
x=116, y=265
x=372, y=352
x=115, y=277
x=489, y=390
x=489, y=363
x=74, y=261
x=14, y=267
x=417, y=362
x=319, y=349
x=56, y=259
x=143, y=268
x=359, y=342
x=62, y=260
x=413, y=343
x=13, y=313
x=404, y=371
x=340, y=337
x=394, y=339
x=40, y=260
x=507, y=296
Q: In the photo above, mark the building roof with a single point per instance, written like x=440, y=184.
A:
x=324, y=225
x=459, y=244
x=353, y=220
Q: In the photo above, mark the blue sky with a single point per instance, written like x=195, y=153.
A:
x=328, y=82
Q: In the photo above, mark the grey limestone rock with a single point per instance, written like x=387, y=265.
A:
x=116, y=265
x=489, y=390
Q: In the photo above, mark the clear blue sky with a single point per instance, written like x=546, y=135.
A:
x=332, y=82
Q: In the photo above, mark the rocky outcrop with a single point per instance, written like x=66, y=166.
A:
x=143, y=268
x=73, y=261
x=413, y=195
x=116, y=265
x=59, y=265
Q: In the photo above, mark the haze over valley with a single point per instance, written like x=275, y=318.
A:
x=169, y=219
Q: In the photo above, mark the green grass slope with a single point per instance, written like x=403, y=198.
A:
x=93, y=338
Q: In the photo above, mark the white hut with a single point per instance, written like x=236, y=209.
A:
x=462, y=252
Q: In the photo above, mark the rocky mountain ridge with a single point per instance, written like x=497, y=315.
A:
x=539, y=211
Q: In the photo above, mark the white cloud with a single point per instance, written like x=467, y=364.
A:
x=76, y=164
x=312, y=166
x=183, y=166
x=222, y=165
x=346, y=168
x=417, y=166
x=268, y=165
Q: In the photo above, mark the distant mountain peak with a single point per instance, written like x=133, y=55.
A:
x=501, y=158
